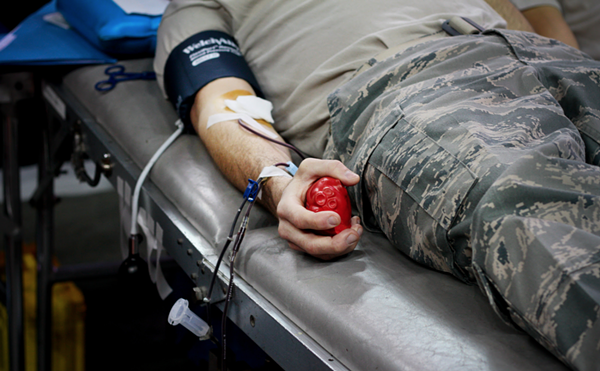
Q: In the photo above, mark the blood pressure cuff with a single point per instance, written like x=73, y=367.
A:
x=200, y=59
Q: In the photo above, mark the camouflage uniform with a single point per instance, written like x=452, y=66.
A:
x=479, y=157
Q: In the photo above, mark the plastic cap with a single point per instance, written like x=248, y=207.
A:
x=181, y=314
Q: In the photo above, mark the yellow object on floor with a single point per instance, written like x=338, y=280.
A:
x=68, y=322
x=3, y=338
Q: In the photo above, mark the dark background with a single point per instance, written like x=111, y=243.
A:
x=13, y=12
x=125, y=329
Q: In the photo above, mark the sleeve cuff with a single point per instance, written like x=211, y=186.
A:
x=528, y=4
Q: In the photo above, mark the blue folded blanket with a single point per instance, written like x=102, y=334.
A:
x=108, y=27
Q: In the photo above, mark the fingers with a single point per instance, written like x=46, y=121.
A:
x=291, y=205
x=322, y=247
x=296, y=223
x=301, y=218
x=355, y=224
x=312, y=169
x=291, y=209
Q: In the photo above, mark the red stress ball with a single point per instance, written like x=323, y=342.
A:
x=328, y=194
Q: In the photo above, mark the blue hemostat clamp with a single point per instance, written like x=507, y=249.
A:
x=251, y=190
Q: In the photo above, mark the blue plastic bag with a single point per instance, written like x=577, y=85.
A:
x=35, y=42
x=108, y=27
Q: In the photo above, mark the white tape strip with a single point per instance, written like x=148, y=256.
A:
x=271, y=171
x=164, y=289
x=220, y=117
x=125, y=216
x=252, y=105
x=154, y=235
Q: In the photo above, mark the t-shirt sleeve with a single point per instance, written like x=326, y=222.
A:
x=528, y=4
x=182, y=19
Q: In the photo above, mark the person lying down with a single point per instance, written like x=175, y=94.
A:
x=471, y=142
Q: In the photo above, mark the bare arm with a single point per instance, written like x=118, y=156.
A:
x=238, y=153
x=514, y=18
x=548, y=21
x=241, y=155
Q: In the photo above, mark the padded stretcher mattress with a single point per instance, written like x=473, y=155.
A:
x=373, y=309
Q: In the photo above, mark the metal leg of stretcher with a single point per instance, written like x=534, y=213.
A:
x=44, y=202
x=54, y=133
x=11, y=228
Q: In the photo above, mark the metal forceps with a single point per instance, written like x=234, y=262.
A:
x=117, y=73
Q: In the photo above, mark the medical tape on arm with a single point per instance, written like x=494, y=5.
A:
x=254, y=106
x=247, y=108
x=221, y=117
x=273, y=171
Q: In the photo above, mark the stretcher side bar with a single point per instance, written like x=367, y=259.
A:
x=284, y=341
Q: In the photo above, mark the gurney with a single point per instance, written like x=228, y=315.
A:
x=373, y=309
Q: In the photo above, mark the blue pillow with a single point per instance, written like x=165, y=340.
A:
x=108, y=27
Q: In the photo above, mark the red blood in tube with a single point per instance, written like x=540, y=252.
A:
x=328, y=194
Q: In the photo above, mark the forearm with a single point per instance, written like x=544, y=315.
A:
x=239, y=154
x=514, y=18
x=549, y=22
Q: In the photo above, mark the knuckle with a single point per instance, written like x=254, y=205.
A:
x=283, y=232
x=284, y=213
x=280, y=211
x=306, y=164
x=339, y=166
x=312, y=161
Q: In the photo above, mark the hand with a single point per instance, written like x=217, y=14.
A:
x=296, y=222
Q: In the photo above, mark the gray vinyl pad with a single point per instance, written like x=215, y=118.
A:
x=373, y=309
